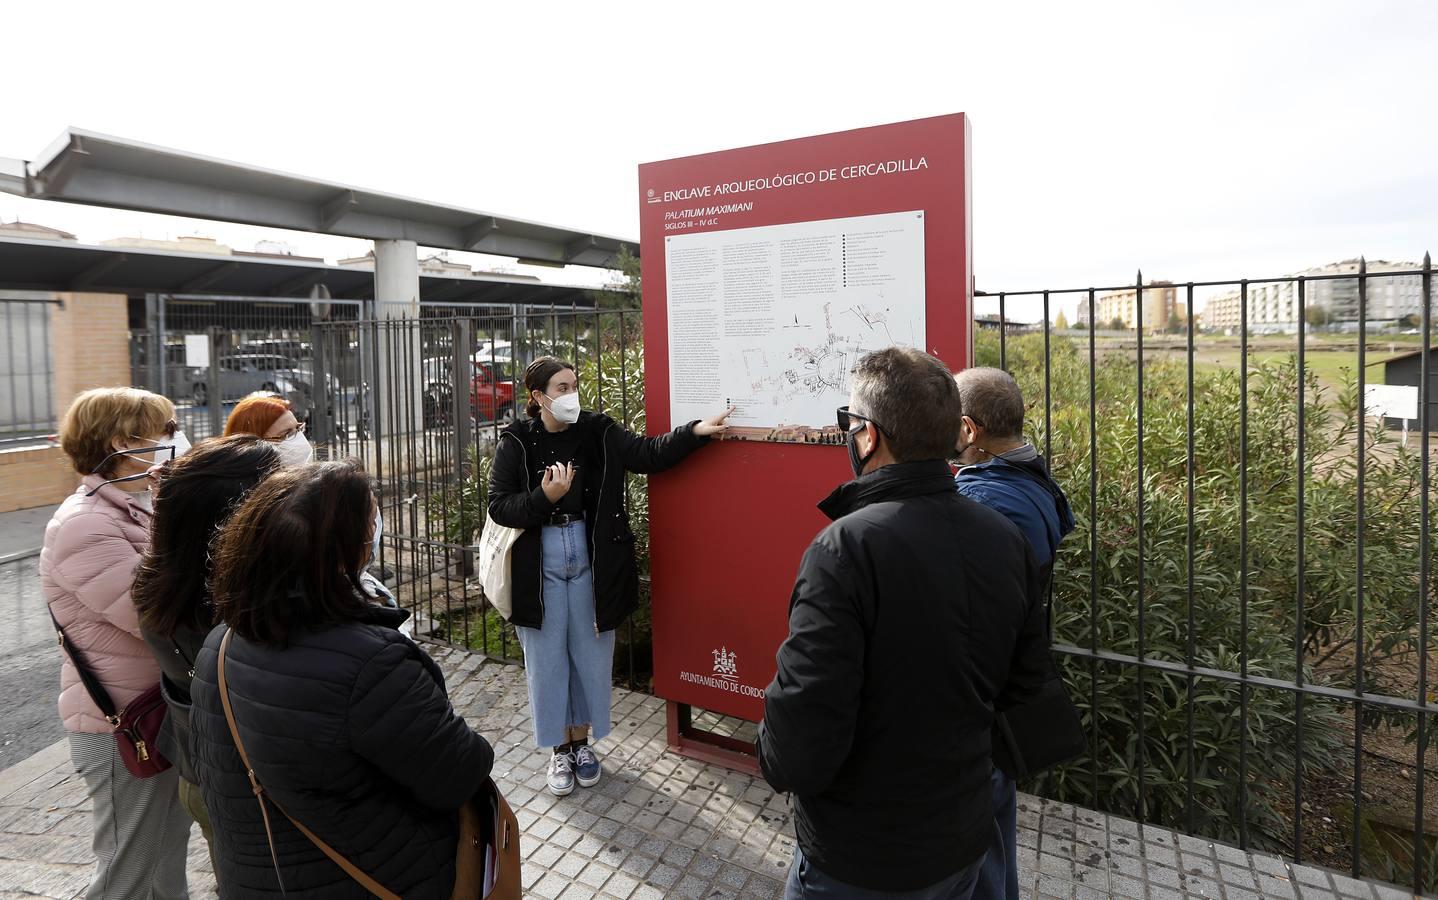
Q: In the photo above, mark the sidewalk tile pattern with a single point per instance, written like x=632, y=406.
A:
x=659, y=826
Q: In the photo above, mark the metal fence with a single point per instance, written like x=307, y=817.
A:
x=433, y=395
x=207, y=352
x=27, y=370
x=1243, y=611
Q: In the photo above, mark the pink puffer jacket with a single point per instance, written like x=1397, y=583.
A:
x=92, y=546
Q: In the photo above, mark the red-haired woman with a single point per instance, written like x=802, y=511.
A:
x=270, y=416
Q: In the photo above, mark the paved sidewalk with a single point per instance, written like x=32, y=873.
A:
x=29, y=664
x=23, y=529
x=662, y=826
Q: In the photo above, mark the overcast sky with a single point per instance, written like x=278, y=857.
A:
x=1220, y=139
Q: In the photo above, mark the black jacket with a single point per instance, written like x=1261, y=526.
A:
x=516, y=500
x=913, y=614
x=176, y=656
x=349, y=729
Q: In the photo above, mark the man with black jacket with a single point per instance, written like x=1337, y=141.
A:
x=901, y=641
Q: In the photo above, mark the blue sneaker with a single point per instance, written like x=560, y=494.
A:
x=586, y=767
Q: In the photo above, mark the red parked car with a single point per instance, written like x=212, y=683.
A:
x=491, y=395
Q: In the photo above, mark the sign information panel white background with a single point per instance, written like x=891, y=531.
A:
x=772, y=319
x=197, y=350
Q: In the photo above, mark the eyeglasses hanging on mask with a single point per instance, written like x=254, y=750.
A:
x=178, y=446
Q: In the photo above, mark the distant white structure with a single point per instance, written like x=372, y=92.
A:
x=191, y=243
x=1273, y=308
x=32, y=232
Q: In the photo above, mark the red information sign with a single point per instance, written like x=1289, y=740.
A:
x=767, y=271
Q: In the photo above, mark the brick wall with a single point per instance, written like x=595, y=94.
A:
x=90, y=344
x=34, y=476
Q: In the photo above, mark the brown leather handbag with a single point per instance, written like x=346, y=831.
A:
x=488, y=831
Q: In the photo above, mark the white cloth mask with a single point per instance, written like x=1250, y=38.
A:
x=295, y=450
x=565, y=408
x=173, y=448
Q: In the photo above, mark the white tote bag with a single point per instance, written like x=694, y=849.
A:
x=491, y=565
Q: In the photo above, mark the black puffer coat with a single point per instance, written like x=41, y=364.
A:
x=517, y=501
x=350, y=731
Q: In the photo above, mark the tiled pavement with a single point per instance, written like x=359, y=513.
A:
x=661, y=826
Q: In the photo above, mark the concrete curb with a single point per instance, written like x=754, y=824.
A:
x=33, y=767
x=16, y=557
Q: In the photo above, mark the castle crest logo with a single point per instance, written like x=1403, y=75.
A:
x=723, y=675
x=726, y=665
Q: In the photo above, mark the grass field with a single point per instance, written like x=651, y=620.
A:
x=1334, y=368
x=1332, y=357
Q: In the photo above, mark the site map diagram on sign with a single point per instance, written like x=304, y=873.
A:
x=772, y=320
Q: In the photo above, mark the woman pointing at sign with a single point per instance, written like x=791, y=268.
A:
x=560, y=477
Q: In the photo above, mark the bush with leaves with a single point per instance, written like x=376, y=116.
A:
x=459, y=514
x=1238, y=623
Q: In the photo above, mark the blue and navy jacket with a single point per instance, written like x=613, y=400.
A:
x=1018, y=485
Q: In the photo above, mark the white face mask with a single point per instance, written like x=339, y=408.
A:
x=179, y=442
x=565, y=408
x=295, y=450
x=378, y=533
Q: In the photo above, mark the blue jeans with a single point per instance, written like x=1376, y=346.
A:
x=999, y=879
x=569, y=668
x=805, y=881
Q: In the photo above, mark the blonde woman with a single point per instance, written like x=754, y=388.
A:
x=112, y=437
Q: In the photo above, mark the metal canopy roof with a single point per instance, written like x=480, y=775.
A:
x=65, y=266
x=101, y=170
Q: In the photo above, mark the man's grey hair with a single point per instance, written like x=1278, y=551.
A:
x=991, y=397
x=912, y=397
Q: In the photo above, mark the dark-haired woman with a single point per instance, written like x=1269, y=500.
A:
x=345, y=721
x=560, y=477
x=197, y=493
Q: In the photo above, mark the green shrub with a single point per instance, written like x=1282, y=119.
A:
x=460, y=512
x=1102, y=609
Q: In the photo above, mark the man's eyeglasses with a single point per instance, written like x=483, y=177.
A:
x=287, y=434
x=847, y=418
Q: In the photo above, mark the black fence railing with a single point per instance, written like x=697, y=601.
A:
x=207, y=352
x=1243, y=611
x=432, y=396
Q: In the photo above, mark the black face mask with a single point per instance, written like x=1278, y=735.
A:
x=856, y=461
